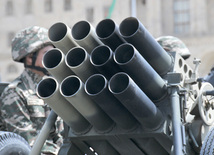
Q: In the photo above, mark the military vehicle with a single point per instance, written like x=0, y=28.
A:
x=120, y=93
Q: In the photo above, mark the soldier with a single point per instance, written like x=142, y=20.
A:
x=22, y=111
x=173, y=44
x=170, y=43
x=210, y=76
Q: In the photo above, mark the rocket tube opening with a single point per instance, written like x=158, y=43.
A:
x=57, y=32
x=95, y=84
x=46, y=88
x=52, y=58
x=119, y=83
x=75, y=57
x=129, y=26
x=105, y=28
x=100, y=55
x=136, y=101
x=124, y=53
x=70, y=86
x=80, y=30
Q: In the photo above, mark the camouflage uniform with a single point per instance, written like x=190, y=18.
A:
x=173, y=44
x=28, y=41
x=170, y=43
x=210, y=77
x=22, y=111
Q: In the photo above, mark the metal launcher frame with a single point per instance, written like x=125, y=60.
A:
x=119, y=92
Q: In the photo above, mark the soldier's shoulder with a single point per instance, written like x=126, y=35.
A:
x=10, y=89
x=12, y=85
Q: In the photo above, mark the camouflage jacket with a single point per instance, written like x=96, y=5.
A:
x=210, y=77
x=24, y=113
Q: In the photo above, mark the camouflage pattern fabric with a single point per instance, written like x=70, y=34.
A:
x=173, y=44
x=24, y=113
x=210, y=77
x=28, y=41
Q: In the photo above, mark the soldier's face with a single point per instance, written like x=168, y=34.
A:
x=40, y=55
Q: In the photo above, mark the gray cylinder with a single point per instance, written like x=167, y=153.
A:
x=53, y=61
x=60, y=35
x=48, y=90
x=134, y=99
x=97, y=88
x=133, y=31
x=102, y=59
x=130, y=60
x=84, y=34
x=108, y=32
x=72, y=89
x=78, y=60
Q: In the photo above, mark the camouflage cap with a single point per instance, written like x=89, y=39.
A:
x=27, y=41
x=173, y=44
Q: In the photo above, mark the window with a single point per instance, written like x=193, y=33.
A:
x=9, y=8
x=28, y=7
x=48, y=5
x=10, y=37
x=181, y=16
x=90, y=14
x=67, y=5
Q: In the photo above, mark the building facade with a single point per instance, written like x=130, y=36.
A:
x=190, y=20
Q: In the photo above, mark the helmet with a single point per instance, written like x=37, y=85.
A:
x=173, y=44
x=27, y=41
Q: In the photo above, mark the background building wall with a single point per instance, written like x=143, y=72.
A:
x=158, y=16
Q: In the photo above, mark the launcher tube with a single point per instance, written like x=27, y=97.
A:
x=48, y=90
x=54, y=63
x=133, y=31
x=134, y=99
x=60, y=35
x=72, y=89
x=78, y=60
x=108, y=32
x=84, y=34
x=102, y=59
x=130, y=60
x=97, y=88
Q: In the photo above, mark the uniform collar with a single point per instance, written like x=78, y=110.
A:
x=30, y=79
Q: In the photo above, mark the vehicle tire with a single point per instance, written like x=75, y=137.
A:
x=208, y=144
x=13, y=144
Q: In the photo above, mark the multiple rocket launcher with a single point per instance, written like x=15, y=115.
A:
x=107, y=81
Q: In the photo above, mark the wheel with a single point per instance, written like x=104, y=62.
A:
x=208, y=145
x=205, y=104
x=13, y=144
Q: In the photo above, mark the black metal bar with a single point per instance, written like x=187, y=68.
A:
x=176, y=122
x=44, y=133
